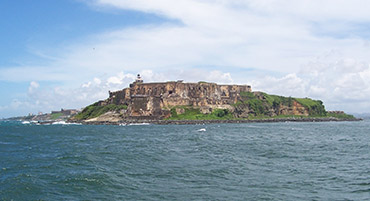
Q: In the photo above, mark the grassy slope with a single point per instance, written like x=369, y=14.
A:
x=195, y=114
x=341, y=116
x=95, y=110
x=260, y=107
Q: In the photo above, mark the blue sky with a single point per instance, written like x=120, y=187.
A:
x=26, y=26
x=45, y=23
x=69, y=53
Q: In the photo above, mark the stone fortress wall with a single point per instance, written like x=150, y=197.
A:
x=155, y=99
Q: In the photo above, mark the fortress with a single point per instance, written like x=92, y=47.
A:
x=148, y=100
x=176, y=100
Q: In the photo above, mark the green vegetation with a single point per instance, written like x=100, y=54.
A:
x=283, y=117
x=246, y=94
x=258, y=107
x=341, y=116
x=262, y=103
x=250, y=101
x=275, y=101
x=56, y=115
x=192, y=113
x=96, y=110
x=195, y=114
x=314, y=107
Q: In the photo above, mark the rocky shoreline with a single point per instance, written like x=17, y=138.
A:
x=185, y=122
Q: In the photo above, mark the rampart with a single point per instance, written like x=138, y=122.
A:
x=155, y=99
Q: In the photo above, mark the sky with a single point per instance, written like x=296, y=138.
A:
x=69, y=53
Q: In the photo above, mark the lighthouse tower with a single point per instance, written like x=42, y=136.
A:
x=138, y=79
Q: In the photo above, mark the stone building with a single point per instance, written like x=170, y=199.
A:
x=155, y=99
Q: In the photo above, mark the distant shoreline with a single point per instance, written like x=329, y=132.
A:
x=186, y=122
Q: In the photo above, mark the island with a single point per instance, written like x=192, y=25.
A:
x=177, y=102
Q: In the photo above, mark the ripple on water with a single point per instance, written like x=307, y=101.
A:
x=259, y=161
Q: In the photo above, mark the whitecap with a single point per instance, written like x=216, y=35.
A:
x=138, y=124
x=59, y=123
x=64, y=123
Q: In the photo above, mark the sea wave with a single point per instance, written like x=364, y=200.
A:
x=138, y=124
x=64, y=123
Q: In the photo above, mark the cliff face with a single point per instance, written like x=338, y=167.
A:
x=179, y=100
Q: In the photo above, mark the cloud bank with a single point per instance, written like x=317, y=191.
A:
x=296, y=48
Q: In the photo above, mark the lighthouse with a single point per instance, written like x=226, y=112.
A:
x=138, y=79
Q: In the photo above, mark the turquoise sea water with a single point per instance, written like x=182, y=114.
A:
x=259, y=161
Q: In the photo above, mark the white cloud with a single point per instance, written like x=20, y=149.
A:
x=315, y=9
x=289, y=85
x=114, y=80
x=33, y=86
x=274, y=37
x=97, y=81
x=266, y=35
x=219, y=77
x=86, y=85
x=343, y=84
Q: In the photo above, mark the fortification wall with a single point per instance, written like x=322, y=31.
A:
x=152, y=99
x=187, y=89
x=215, y=94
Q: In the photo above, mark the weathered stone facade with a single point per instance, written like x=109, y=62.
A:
x=153, y=100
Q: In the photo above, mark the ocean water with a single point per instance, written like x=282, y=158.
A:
x=256, y=161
